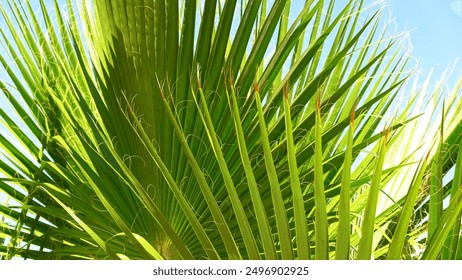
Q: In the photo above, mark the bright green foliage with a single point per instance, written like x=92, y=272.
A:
x=214, y=129
x=343, y=229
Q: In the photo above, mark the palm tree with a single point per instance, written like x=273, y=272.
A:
x=218, y=130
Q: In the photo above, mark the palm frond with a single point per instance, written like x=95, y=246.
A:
x=196, y=130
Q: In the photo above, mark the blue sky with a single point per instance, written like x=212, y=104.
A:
x=435, y=30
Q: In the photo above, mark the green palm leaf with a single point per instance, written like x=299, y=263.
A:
x=166, y=130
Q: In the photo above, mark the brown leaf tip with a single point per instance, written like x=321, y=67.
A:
x=162, y=93
x=387, y=132
x=319, y=98
x=353, y=111
x=285, y=90
x=256, y=86
x=428, y=155
x=231, y=81
x=130, y=108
